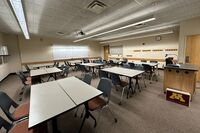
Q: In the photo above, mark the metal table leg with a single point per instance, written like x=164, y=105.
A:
x=130, y=88
x=55, y=126
x=86, y=116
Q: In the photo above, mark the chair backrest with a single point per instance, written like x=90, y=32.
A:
x=103, y=74
x=168, y=61
x=62, y=67
x=81, y=67
x=147, y=67
x=105, y=85
x=132, y=65
x=27, y=68
x=115, y=79
x=65, y=71
x=87, y=78
x=5, y=103
x=139, y=67
x=126, y=65
x=5, y=124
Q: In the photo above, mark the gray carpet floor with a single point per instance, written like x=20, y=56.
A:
x=145, y=112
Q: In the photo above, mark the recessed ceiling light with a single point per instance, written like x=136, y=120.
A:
x=120, y=28
x=19, y=13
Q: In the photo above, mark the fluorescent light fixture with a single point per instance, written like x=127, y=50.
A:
x=131, y=38
x=151, y=29
x=19, y=13
x=120, y=28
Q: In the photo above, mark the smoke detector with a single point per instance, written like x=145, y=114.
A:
x=96, y=7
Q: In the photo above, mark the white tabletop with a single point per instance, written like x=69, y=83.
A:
x=123, y=71
x=78, y=90
x=47, y=100
x=92, y=64
x=42, y=65
x=151, y=64
x=43, y=71
x=38, y=72
x=53, y=70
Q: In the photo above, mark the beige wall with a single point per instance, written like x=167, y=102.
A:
x=14, y=59
x=11, y=63
x=189, y=27
x=40, y=49
x=167, y=42
x=4, y=66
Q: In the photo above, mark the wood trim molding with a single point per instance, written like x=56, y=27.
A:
x=148, y=59
x=171, y=49
x=157, y=50
x=60, y=60
x=136, y=50
x=146, y=50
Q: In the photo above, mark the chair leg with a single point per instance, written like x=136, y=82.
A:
x=144, y=81
x=120, y=103
x=115, y=119
x=75, y=114
x=82, y=112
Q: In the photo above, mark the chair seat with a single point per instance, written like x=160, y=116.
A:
x=21, y=111
x=96, y=103
x=123, y=83
x=21, y=127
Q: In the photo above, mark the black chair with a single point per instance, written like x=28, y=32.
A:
x=82, y=68
x=168, y=61
x=149, y=71
x=118, y=82
x=105, y=85
x=26, y=81
x=65, y=71
x=87, y=78
x=126, y=65
x=132, y=65
x=21, y=111
x=111, y=63
x=103, y=74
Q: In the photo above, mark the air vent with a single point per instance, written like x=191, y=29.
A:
x=96, y=7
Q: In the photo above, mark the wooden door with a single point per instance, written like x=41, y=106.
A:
x=193, y=52
x=106, y=52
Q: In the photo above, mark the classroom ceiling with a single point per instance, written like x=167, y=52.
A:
x=47, y=17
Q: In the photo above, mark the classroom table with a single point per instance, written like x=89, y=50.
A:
x=153, y=65
x=50, y=99
x=93, y=65
x=130, y=73
x=45, y=71
x=38, y=66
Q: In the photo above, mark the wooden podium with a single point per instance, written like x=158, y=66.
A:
x=181, y=78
